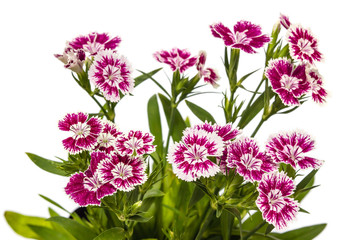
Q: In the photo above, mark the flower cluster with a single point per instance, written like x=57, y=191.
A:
x=291, y=81
x=207, y=149
x=117, y=161
x=109, y=72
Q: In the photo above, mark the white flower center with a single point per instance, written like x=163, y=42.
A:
x=241, y=38
x=276, y=200
x=289, y=83
x=112, y=75
x=294, y=152
x=195, y=154
x=92, y=183
x=250, y=162
x=122, y=171
x=106, y=140
x=80, y=129
x=305, y=46
x=134, y=143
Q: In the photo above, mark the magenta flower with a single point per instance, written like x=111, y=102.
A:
x=87, y=188
x=210, y=75
x=285, y=22
x=249, y=162
x=135, y=143
x=107, y=138
x=85, y=132
x=303, y=45
x=123, y=172
x=315, y=80
x=111, y=73
x=291, y=148
x=273, y=201
x=177, y=59
x=190, y=156
x=95, y=42
x=226, y=132
x=246, y=36
x=73, y=59
x=287, y=80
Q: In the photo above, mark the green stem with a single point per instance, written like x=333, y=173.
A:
x=254, y=230
x=101, y=107
x=205, y=222
x=257, y=128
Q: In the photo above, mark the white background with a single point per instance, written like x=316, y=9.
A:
x=36, y=91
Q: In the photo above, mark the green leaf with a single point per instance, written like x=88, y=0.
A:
x=196, y=196
x=152, y=193
x=20, y=223
x=155, y=123
x=243, y=78
x=79, y=231
x=54, y=203
x=305, y=180
x=226, y=222
x=48, y=234
x=47, y=165
x=305, y=233
x=140, y=217
x=199, y=112
x=116, y=233
x=145, y=76
x=179, y=123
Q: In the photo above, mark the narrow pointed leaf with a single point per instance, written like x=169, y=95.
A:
x=20, y=223
x=47, y=165
x=305, y=233
x=145, y=76
x=49, y=234
x=155, y=123
x=305, y=180
x=53, y=202
x=196, y=196
x=199, y=112
x=226, y=223
x=243, y=78
x=112, y=234
x=79, y=231
x=152, y=193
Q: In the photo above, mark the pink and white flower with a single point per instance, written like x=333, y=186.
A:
x=135, y=143
x=111, y=73
x=303, y=45
x=287, y=80
x=190, y=156
x=318, y=93
x=246, y=36
x=226, y=132
x=73, y=59
x=244, y=155
x=87, y=188
x=85, y=132
x=285, y=22
x=210, y=75
x=123, y=172
x=291, y=149
x=273, y=201
x=95, y=42
x=107, y=138
x=177, y=59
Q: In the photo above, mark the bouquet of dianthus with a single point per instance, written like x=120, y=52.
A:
x=203, y=181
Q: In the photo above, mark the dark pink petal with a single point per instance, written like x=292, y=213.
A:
x=107, y=138
x=316, y=84
x=135, y=142
x=220, y=31
x=177, y=59
x=284, y=20
x=211, y=77
x=308, y=162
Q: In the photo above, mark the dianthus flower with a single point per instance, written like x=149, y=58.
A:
x=273, y=201
x=226, y=132
x=111, y=73
x=318, y=93
x=303, y=45
x=73, y=59
x=123, y=172
x=285, y=22
x=95, y=42
x=87, y=188
x=291, y=148
x=210, y=75
x=246, y=36
x=135, y=143
x=177, y=59
x=107, y=138
x=244, y=155
x=287, y=80
x=190, y=156
x=85, y=132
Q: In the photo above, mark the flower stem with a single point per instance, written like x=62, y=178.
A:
x=258, y=127
x=206, y=221
x=101, y=107
x=254, y=230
